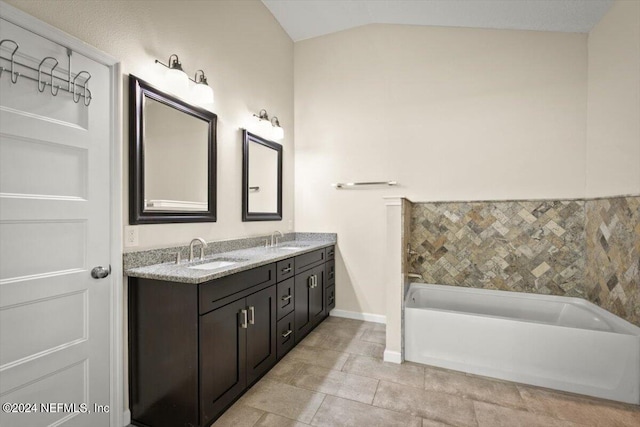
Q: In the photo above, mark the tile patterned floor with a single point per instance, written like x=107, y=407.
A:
x=336, y=377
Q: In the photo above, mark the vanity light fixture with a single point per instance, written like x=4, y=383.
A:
x=278, y=132
x=269, y=127
x=262, y=115
x=202, y=93
x=263, y=125
x=177, y=79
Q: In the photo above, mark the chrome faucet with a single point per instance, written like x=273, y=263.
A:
x=203, y=245
x=274, y=239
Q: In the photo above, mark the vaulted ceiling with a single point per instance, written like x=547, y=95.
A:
x=303, y=19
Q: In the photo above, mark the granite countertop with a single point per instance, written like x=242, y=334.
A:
x=245, y=259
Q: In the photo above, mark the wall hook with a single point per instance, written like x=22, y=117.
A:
x=45, y=76
x=42, y=85
x=86, y=82
x=13, y=54
x=87, y=94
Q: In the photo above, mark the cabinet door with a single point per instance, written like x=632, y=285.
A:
x=309, y=299
x=261, y=333
x=222, y=358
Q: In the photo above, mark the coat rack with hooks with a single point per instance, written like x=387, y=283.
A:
x=46, y=76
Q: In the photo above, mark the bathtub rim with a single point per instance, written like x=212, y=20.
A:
x=625, y=327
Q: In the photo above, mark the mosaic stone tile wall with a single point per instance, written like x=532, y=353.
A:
x=613, y=255
x=588, y=249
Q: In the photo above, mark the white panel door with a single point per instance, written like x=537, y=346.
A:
x=54, y=228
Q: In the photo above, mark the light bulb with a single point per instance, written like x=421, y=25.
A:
x=277, y=132
x=264, y=128
x=202, y=93
x=176, y=81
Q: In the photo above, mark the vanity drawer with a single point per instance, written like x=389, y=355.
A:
x=330, y=273
x=285, y=335
x=285, y=297
x=306, y=261
x=331, y=252
x=227, y=289
x=284, y=269
x=331, y=298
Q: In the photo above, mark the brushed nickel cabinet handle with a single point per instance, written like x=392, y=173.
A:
x=252, y=315
x=286, y=270
x=243, y=324
x=286, y=334
x=286, y=298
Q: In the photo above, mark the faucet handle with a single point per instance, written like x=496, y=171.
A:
x=202, y=251
x=178, y=257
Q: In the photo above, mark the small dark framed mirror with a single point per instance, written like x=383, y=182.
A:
x=261, y=179
x=172, y=158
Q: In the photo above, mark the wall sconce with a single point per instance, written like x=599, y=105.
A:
x=177, y=81
x=263, y=124
x=278, y=132
x=269, y=127
x=202, y=93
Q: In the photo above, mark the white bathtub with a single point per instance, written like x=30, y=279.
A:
x=557, y=342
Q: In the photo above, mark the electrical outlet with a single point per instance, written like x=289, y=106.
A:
x=130, y=236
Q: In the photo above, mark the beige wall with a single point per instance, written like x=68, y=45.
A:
x=450, y=113
x=613, y=131
x=247, y=57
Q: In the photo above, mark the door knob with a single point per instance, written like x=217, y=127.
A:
x=100, y=272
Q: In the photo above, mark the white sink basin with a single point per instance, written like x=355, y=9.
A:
x=291, y=248
x=213, y=265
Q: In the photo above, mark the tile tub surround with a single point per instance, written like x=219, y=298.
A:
x=160, y=263
x=524, y=246
x=613, y=255
x=577, y=248
x=345, y=388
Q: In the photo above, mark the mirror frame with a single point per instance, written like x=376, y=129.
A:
x=138, y=89
x=249, y=138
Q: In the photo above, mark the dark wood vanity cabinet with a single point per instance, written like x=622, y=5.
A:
x=163, y=353
x=194, y=349
x=313, y=275
x=223, y=344
x=330, y=288
x=309, y=305
x=237, y=346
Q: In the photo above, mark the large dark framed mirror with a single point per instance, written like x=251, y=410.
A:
x=261, y=179
x=172, y=158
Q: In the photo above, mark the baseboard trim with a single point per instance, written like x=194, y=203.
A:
x=126, y=418
x=367, y=317
x=392, y=356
